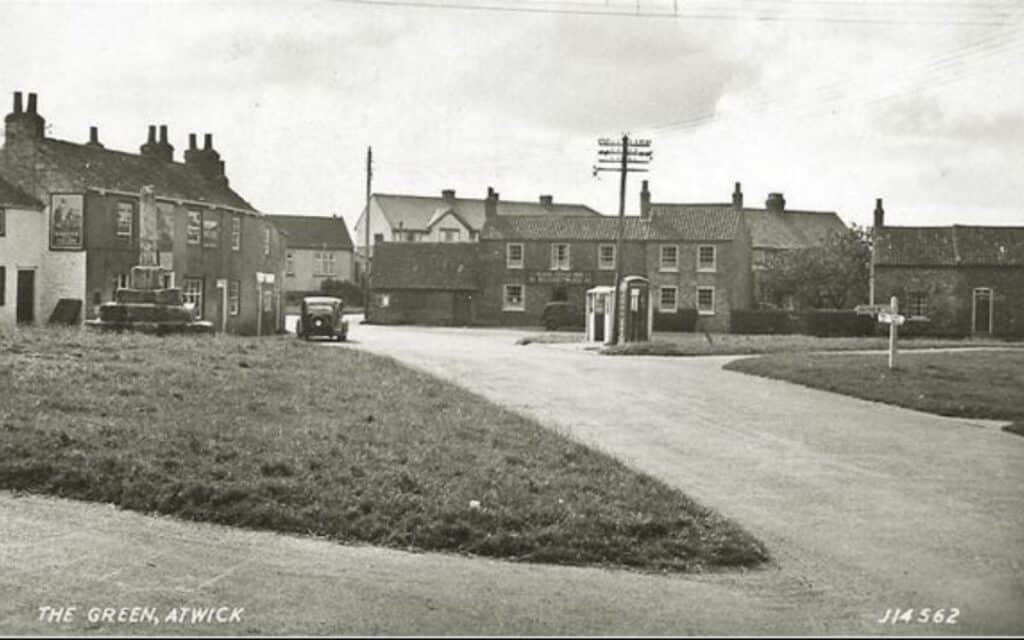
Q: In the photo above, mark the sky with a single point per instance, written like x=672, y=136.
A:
x=832, y=102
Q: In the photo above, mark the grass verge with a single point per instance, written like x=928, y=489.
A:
x=296, y=437
x=700, y=344
x=971, y=384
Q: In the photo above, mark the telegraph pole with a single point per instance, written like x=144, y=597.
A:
x=624, y=156
x=366, y=229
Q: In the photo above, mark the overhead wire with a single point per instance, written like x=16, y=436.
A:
x=715, y=12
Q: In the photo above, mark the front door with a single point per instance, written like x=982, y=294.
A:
x=25, y=311
x=982, y=312
x=462, y=309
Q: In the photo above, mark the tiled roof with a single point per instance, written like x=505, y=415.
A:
x=416, y=212
x=411, y=265
x=313, y=232
x=949, y=246
x=694, y=221
x=790, y=229
x=12, y=196
x=83, y=166
x=564, y=228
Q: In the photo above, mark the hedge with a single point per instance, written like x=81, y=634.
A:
x=830, y=323
x=681, y=320
x=773, y=321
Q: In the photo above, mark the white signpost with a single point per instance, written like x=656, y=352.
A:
x=894, y=320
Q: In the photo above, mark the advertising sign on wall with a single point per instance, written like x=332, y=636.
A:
x=67, y=221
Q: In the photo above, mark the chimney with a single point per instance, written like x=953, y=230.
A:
x=24, y=124
x=491, y=204
x=205, y=161
x=645, y=201
x=879, y=214
x=737, y=197
x=775, y=202
x=547, y=200
x=448, y=195
x=94, y=138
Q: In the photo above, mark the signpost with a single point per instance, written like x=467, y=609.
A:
x=894, y=320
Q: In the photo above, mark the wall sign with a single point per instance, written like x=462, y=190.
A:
x=67, y=221
x=558, y=277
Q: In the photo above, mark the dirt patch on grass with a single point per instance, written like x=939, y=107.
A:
x=285, y=435
x=550, y=338
x=965, y=384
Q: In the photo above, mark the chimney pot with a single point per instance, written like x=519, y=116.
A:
x=31, y=103
x=192, y=141
x=94, y=135
x=879, y=213
x=737, y=197
x=490, y=204
x=17, y=102
x=163, y=134
x=152, y=134
x=208, y=141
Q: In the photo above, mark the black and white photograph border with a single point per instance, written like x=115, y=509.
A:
x=512, y=318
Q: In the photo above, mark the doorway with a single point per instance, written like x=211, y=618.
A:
x=462, y=311
x=982, y=311
x=25, y=312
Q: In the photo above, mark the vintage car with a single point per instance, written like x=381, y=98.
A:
x=322, y=316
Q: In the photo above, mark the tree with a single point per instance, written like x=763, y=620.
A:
x=832, y=275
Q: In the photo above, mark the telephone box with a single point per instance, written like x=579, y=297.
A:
x=600, y=302
x=637, y=313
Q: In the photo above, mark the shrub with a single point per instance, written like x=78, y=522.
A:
x=828, y=323
x=347, y=290
x=771, y=321
x=681, y=320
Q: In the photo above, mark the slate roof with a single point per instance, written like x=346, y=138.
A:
x=82, y=166
x=790, y=229
x=417, y=212
x=957, y=245
x=313, y=232
x=694, y=222
x=708, y=222
x=12, y=196
x=436, y=266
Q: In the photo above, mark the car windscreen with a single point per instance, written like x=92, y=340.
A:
x=319, y=309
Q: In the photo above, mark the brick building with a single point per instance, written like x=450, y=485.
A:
x=956, y=280
x=318, y=248
x=444, y=219
x=226, y=257
x=696, y=257
x=425, y=284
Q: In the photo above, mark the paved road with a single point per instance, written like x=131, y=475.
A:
x=864, y=506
